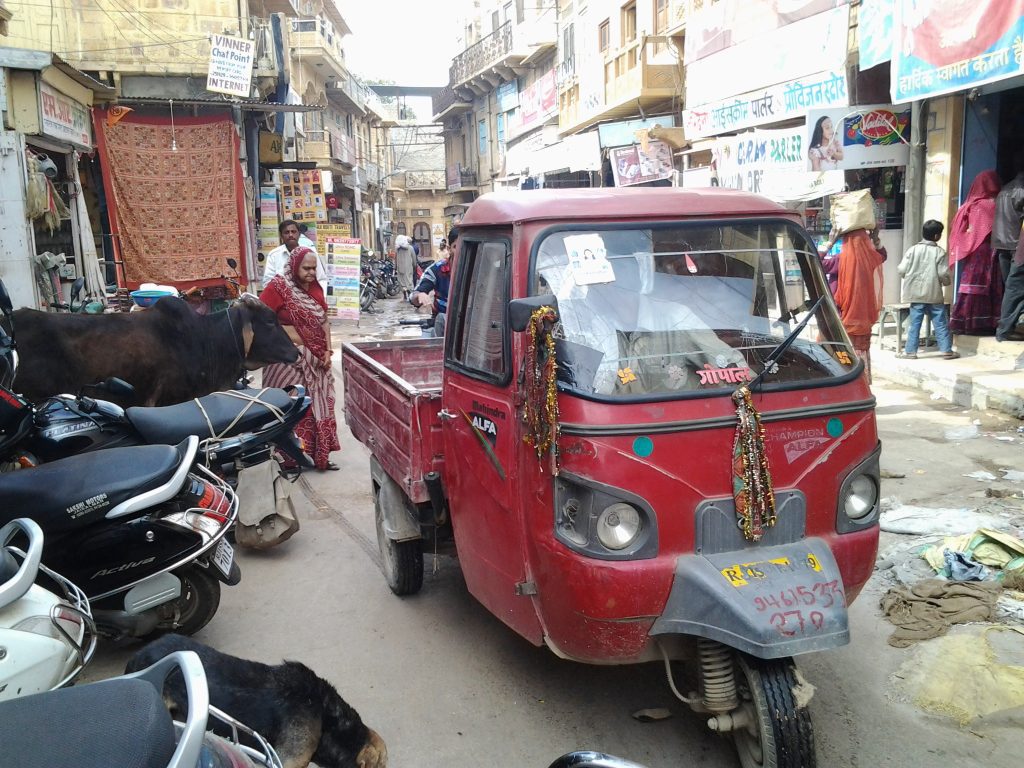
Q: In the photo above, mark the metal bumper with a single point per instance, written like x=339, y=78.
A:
x=769, y=602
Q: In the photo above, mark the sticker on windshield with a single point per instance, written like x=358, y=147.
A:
x=588, y=259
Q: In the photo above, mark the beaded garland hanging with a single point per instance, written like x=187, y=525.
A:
x=540, y=411
x=752, y=488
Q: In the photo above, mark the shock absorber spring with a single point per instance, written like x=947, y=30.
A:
x=717, y=676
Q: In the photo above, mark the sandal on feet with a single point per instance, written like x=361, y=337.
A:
x=905, y=356
x=950, y=355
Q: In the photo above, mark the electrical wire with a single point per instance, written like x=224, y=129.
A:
x=82, y=51
x=60, y=6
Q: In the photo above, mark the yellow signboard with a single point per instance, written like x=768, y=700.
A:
x=271, y=147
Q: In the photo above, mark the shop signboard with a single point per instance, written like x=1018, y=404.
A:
x=724, y=23
x=267, y=237
x=874, y=32
x=768, y=105
x=868, y=136
x=341, y=254
x=624, y=131
x=815, y=44
x=230, y=68
x=64, y=118
x=508, y=96
x=954, y=46
x=771, y=163
x=271, y=147
x=636, y=165
x=537, y=102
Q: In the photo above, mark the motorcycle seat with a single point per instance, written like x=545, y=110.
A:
x=74, y=492
x=116, y=722
x=170, y=424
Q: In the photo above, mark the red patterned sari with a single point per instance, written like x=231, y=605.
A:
x=306, y=311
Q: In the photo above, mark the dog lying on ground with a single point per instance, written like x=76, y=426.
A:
x=299, y=714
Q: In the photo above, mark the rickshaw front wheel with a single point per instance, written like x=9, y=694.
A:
x=401, y=561
x=778, y=733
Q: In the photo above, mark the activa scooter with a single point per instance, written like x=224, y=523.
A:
x=140, y=530
x=123, y=722
x=45, y=640
x=238, y=428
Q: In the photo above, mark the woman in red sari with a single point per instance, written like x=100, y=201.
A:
x=297, y=298
x=859, y=293
x=979, y=292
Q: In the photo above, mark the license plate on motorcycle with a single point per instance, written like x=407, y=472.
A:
x=223, y=556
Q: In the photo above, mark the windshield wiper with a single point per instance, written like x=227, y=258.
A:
x=770, y=361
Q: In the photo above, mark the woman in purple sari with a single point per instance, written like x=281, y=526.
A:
x=980, y=287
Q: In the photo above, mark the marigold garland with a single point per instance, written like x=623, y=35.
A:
x=752, y=488
x=540, y=411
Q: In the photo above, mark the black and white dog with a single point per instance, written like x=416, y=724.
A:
x=299, y=713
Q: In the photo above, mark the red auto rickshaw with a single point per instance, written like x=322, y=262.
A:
x=648, y=438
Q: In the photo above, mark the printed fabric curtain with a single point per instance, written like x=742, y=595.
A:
x=175, y=197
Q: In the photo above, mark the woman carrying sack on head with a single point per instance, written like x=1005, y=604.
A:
x=859, y=292
x=297, y=298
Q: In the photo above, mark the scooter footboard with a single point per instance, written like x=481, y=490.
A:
x=770, y=602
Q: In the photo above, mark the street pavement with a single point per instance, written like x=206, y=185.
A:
x=447, y=684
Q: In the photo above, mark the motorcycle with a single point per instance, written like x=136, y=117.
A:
x=368, y=287
x=46, y=640
x=123, y=722
x=388, y=285
x=243, y=426
x=139, y=529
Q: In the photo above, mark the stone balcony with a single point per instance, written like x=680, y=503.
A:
x=501, y=56
x=321, y=50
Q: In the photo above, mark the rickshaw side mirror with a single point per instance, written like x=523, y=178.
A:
x=520, y=310
x=5, y=300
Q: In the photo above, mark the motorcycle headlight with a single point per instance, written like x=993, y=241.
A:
x=861, y=497
x=618, y=526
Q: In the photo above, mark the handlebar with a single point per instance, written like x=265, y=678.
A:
x=13, y=589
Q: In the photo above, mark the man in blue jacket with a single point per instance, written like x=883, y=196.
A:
x=437, y=278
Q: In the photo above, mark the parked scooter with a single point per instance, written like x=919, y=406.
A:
x=123, y=722
x=592, y=760
x=140, y=530
x=45, y=640
x=241, y=428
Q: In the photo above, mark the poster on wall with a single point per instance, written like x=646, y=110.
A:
x=868, y=136
x=302, y=197
x=634, y=165
x=952, y=45
x=341, y=256
x=267, y=238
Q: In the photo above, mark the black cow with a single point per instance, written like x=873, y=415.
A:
x=169, y=353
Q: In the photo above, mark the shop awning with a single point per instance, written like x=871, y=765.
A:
x=246, y=106
x=24, y=58
x=579, y=152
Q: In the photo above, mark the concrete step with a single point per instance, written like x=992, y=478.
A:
x=1006, y=353
x=974, y=381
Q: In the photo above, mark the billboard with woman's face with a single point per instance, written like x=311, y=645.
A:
x=872, y=136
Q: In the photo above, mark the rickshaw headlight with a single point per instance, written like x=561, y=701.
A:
x=861, y=497
x=618, y=526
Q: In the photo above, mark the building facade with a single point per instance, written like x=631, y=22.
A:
x=295, y=108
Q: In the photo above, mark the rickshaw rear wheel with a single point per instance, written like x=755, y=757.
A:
x=401, y=561
x=779, y=734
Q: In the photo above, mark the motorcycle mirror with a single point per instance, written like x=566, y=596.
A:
x=116, y=386
x=5, y=300
x=520, y=310
x=232, y=263
x=76, y=288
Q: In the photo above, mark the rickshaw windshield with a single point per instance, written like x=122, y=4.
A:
x=673, y=309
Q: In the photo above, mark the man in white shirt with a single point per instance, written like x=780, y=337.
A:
x=277, y=259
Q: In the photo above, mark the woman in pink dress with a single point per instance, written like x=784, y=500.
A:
x=980, y=288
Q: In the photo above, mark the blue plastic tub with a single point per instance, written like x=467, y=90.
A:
x=148, y=298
